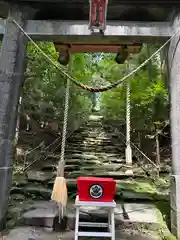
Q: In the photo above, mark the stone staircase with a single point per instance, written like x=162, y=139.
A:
x=91, y=151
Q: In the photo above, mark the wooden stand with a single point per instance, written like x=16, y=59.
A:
x=111, y=222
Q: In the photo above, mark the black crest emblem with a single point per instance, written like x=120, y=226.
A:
x=96, y=191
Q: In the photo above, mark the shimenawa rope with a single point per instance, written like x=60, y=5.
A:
x=86, y=87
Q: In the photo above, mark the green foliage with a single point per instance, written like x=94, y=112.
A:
x=44, y=90
x=149, y=98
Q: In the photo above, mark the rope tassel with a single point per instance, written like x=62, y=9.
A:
x=60, y=193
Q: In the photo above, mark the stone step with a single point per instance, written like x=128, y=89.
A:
x=96, y=152
x=93, y=139
x=71, y=171
x=98, y=155
x=115, y=175
x=126, y=214
x=79, y=166
x=136, y=188
x=78, y=156
x=48, y=169
x=144, y=218
x=106, y=167
x=100, y=143
x=98, y=133
x=81, y=162
x=98, y=147
x=51, y=165
x=86, y=165
x=78, y=159
x=94, y=134
x=75, y=142
x=100, y=159
x=95, y=149
x=74, y=150
x=85, y=142
x=96, y=144
x=95, y=164
x=33, y=191
x=39, y=176
x=21, y=233
x=83, y=156
x=94, y=125
x=68, y=167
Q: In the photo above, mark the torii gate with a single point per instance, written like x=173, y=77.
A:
x=12, y=66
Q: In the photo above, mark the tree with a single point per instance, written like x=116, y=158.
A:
x=149, y=97
x=44, y=89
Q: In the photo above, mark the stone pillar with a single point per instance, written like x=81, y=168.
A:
x=11, y=75
x=174, y=78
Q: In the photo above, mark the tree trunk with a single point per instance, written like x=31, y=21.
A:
x=149, y=63
x=158, y=159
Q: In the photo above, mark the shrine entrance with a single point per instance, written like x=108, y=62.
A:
x=122, y=37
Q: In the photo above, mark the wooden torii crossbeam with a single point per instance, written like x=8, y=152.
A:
x=106, y=48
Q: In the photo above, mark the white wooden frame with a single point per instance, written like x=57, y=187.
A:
x=111, y=222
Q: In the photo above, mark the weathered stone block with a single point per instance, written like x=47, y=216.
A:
x=175, y=205
x=39, y=176
x=5, y=180
x=11, y=73
x=45, y=214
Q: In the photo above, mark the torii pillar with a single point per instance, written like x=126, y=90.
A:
x=174, y=81
x=11, y=75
